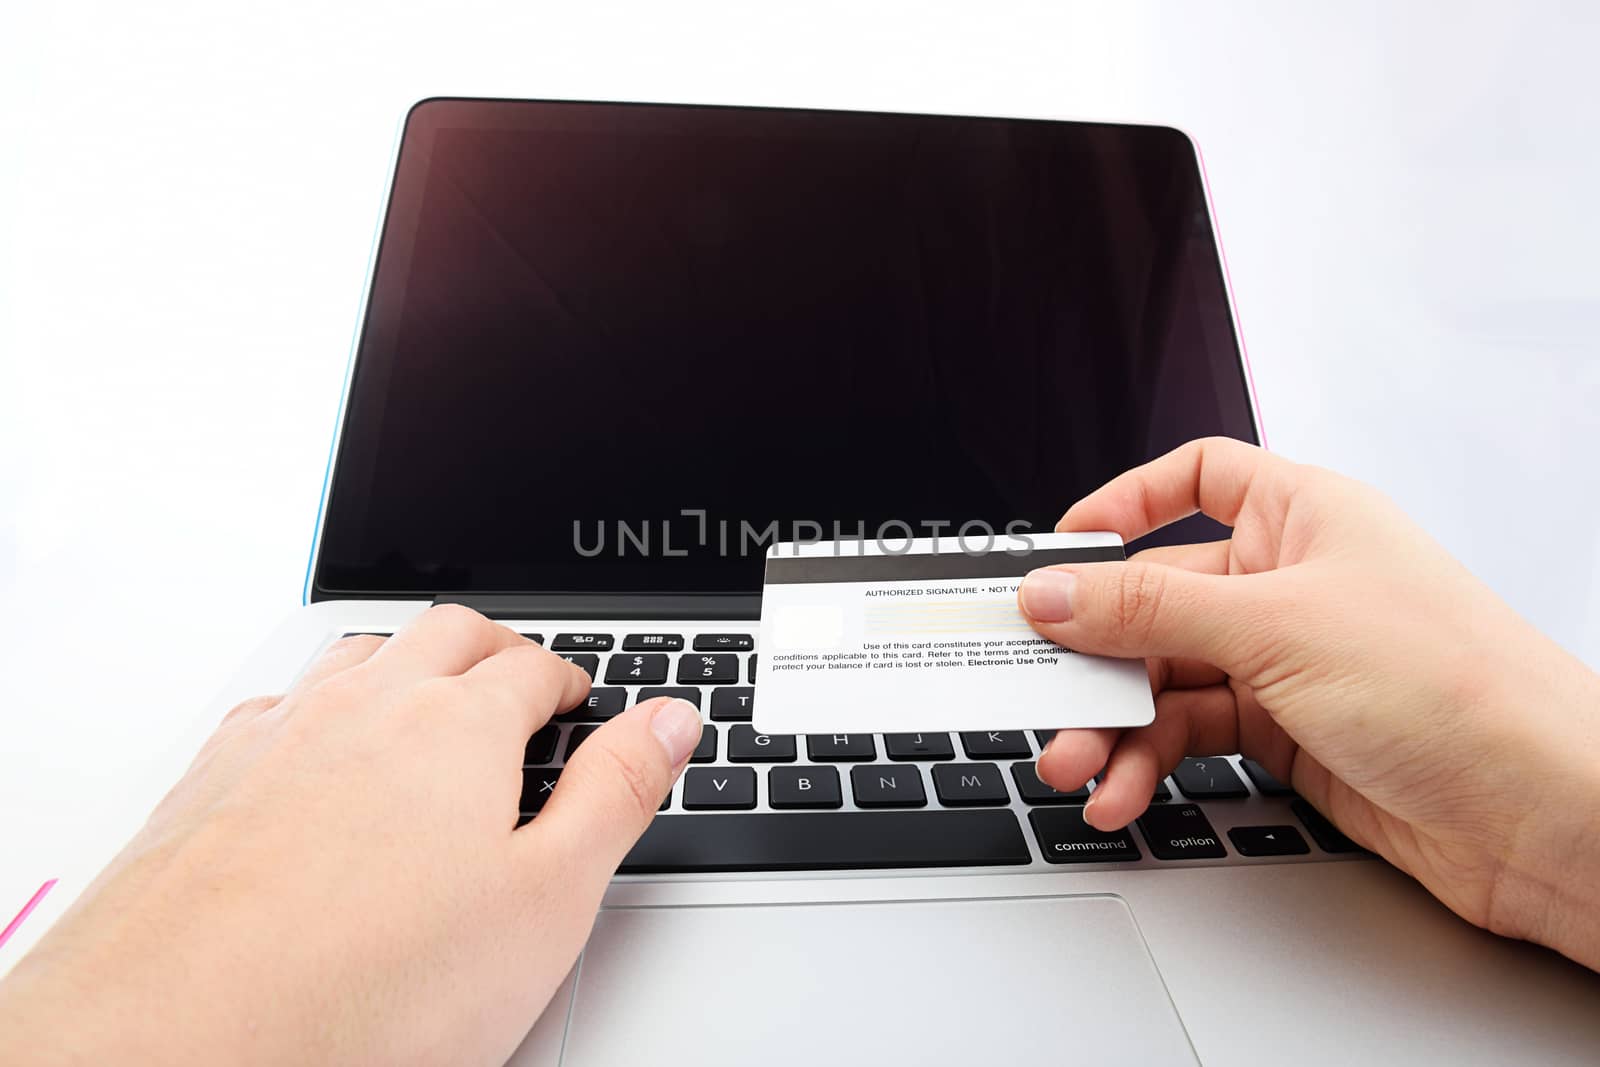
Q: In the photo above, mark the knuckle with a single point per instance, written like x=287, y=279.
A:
x=545, y=660
x=352, y=643
x=249, y=709
x=457, y=619
x=339, y=686
x=539, y=665
x=1137, y=601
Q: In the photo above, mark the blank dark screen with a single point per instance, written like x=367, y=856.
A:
x=609, y=345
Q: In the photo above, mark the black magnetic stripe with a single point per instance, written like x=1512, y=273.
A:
x=794, y=570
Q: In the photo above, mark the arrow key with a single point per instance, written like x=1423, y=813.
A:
x=1268, y=841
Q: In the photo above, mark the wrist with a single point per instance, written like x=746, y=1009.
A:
x=1547, y=892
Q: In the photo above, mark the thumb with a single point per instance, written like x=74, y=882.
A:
x=612, y=785
x=1140, y=609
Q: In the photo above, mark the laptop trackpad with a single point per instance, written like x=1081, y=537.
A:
x=1018, y=980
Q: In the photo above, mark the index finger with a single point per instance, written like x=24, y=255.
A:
x=1212, y=475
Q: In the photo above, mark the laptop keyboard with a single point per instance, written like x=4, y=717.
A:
x=757, y=802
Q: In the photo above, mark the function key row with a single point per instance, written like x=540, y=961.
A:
x=630, y=642
x=650, y=642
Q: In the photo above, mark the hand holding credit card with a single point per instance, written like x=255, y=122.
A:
x=856, y=638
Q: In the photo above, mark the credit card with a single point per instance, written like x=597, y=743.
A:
x=920, y=635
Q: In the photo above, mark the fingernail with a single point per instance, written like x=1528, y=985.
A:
x=1094, y=795
x=676, y=725
x=1047, y=595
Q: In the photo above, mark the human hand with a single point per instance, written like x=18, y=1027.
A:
x=1335, y=642
x=337, y=877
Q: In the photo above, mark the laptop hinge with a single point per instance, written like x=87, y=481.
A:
x=608, y=606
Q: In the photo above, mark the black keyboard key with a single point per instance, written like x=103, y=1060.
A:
x=653, y=643
x=719, y=788
x=733, y=704
x=1268, y=841
x=643, y=668
x=366, y=633
x=1209, y=778
x=804, y=787
x=581, y=643
x=537, y=639
x=828, y=841
x=840, y=748
x=918, y=746
x=579, y=735
x=1323, y=832
x=601, y=704
x=1034, y=791
x=1265, y=783
x=996, y=744
x=587, y=660
x=1043, y=737
x=1065, y=838
x=541, y=746
x=747, y=746
x=724, y=643
x=682, y=692
x=969, y=785
x=752, y=676
x=1180, y=832
x=708, y=670
x=706, y=750
x=537, y=785
x=883, y=786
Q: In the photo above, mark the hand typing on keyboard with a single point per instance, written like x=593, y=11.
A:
x=1334, y=642
x=337, y=878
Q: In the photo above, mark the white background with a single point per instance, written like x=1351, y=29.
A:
x=188, y=194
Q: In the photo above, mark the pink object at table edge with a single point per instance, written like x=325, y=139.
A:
x=27, y=909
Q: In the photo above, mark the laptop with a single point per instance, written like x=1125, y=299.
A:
x=611, y=352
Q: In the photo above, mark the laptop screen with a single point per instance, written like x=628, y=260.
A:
x=621, y=347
